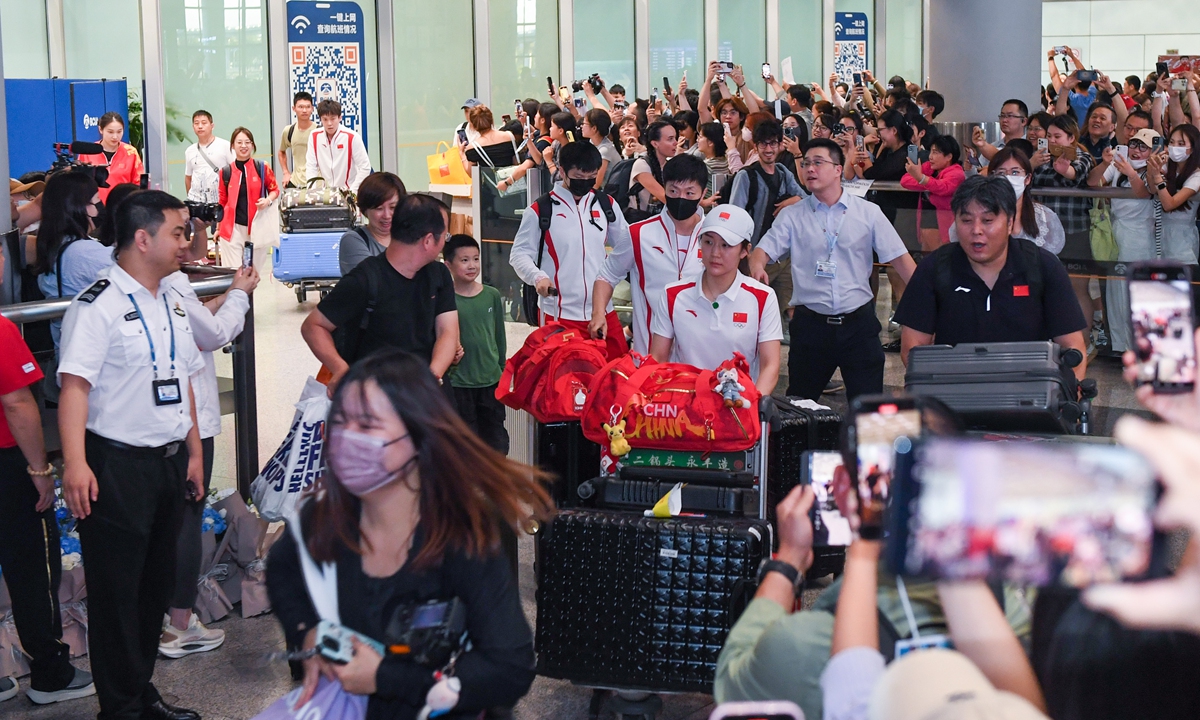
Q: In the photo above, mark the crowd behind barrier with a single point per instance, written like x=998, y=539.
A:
x=775, y=220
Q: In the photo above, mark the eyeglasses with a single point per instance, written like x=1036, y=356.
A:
x=806, y=164
x=768, y=144
x=1015, y=172
x=1011, y=116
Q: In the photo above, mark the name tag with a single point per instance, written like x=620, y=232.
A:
x=167, y=392
x=826, y=269
x=925, y=642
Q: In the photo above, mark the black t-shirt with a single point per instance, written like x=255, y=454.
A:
x=405, y=309
x=1007, y=313
x=241, y=215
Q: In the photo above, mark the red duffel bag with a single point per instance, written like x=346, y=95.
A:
x=549, y=376
x=672, y=406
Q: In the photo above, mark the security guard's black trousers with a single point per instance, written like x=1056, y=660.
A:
x=129, y=564
x=32, y=564
x=822, y=344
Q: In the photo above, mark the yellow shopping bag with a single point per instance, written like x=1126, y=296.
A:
x=446, y=168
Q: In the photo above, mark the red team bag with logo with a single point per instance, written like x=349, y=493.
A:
x=549, y=376
x=672, y=406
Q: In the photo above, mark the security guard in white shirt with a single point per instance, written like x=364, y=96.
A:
x=131, y=447
x=565, y=269
x=705, y=320
x=658, y=251
x=336, y=153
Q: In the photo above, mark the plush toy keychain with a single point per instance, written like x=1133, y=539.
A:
x=618, y=446
x=730, y=389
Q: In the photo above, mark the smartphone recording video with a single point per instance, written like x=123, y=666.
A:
x=766, y=71
x=878, y=426
x=724, y=67
x=1160, y=303
x=830, y=528
x=1037, y=513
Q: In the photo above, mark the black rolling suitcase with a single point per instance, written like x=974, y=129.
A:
x=317, y=218
x=641, y=603
x=1021, y=387
x=563, y=451
x=641, y=494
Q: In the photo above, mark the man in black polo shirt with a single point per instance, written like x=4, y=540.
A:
x=401, y=299
x=989, y=286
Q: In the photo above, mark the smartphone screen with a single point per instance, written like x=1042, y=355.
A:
x=1160, y=303
x=1025, y=512
x=248, y=255
x=830, y=528
x=878, y=427
x=766, y=71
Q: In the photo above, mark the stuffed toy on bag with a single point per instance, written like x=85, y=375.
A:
x=730, y=389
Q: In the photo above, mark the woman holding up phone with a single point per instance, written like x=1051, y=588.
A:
x=1175, y=180
x=895, y=135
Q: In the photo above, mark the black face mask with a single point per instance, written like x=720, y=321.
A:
x=580, y=186
x=101, y=214
x=681, y=208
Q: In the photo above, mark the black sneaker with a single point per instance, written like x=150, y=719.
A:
x=892, y=347
x=80, y=686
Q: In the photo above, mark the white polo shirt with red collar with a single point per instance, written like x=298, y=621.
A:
x=654, y=255
x=708, y=332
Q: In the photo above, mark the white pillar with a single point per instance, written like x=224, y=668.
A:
x=773, y=38
x=641, y=47
x=154, y=101
x=972, y=71
x=712, y=32
x=389, y=144
x=278, y=73
x=828, y=15
x=56, y=40
x=566, y=42
x=483, y=56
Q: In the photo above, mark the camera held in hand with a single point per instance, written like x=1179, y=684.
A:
x=430, y=633
x=208, y=213
x=65, y=159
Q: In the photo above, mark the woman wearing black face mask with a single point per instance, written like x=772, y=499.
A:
x=656, y=252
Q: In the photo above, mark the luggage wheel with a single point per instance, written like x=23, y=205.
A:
x=301, y=293
x=324, y=293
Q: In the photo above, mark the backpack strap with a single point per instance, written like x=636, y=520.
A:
x=545, y=211
x=364, y=322
x=261, y=167
x=605, y=201
x=58, y=262
x=290, y=129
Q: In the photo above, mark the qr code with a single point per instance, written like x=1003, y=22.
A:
x=849, y=58
x=331, y=71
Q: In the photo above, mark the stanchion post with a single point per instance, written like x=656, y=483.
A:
x=245, y=405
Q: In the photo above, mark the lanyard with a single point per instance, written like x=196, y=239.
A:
x=681, y=254
x=831, y=238
x=170, y=322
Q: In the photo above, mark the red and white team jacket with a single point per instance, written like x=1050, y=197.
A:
x=654, y=256
x=343, y=162
x=574, y=252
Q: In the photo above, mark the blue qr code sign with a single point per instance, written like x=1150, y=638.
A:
x=849, y=58
x=332, y=71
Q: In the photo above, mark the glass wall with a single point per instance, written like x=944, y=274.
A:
x=742, y=28
x=610, y=52
x=435, y=73
x=215, y=59
x=800, y=38
x=868, y=7
x=371, y=68
x=904, y=34
x=677, y=41
x=25, y=45
x=524, y=49
x=103, y=40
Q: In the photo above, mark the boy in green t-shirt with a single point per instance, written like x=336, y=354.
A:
x=481, y=334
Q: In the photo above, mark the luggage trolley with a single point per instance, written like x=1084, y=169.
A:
x=634, y=606
x=312, y=221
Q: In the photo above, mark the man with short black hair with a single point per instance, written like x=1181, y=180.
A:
x=1136, y=121
x=337, y=154
x=931, y=104
x=830, y=237
x=989, y=286
x=799, y=99
x=1098, y=128
x=562, y=244
x=401, y=299
x=295, y=138
x=1014, y=117
x=618, y=94
x=131, y=447
x=204, y=159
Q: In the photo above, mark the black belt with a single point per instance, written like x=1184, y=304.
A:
x=161, y=451
x=868, y=309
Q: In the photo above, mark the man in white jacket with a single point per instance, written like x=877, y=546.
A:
x=565, y=269
x=337, y=153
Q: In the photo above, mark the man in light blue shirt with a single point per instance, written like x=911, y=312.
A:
x=830, y=237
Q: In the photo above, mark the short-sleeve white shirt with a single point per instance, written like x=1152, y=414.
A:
x=105, y=343
x=706, y=333
x=205, y=179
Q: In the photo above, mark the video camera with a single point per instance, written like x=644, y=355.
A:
x=64, y=159
x=429, y=633
x=208, y=213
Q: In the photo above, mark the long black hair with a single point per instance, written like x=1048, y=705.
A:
x=654, y=134
x=1028, y=213
x=107, y=232
x=65, y=202
x=1178, y=173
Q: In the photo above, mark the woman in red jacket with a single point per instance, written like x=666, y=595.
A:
x=246, y=187
x=939, y=177
x=122, y=159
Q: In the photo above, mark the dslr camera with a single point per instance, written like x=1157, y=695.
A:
x=428, y=633
x=208, y=213
x=593, y=80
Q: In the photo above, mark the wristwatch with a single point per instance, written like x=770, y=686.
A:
x=1162, y=185
x=789, y=571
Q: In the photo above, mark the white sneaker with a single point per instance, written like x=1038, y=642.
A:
x=8, y=688
x=176, y=643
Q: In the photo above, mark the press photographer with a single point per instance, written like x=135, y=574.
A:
x=411, y=510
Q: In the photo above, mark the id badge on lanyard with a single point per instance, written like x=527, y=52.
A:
x=166, y=392
x=917, y=641
x=828, y=268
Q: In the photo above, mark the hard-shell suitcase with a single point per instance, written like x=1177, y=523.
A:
x=800, y=428
x=317, y=218
x=1021, y=386
x=304, y=256
x=563, y=451
x=640, y=603
x=695, y=497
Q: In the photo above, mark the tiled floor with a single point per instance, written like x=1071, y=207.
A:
x=234, y=683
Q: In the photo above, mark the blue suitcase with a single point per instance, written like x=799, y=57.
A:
x=305, y=256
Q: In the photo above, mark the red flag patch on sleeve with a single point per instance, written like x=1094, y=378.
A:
x=1020, y=291
x=741, y=317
